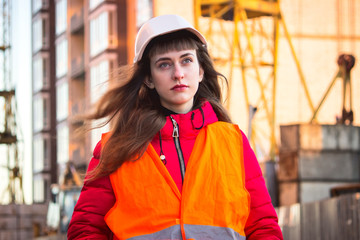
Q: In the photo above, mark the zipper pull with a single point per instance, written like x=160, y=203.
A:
x=176, y=129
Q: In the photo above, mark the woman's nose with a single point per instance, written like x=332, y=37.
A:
x=178, y=72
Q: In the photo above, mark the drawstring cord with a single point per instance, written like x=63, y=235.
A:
x=162, y=156
x=203, y=119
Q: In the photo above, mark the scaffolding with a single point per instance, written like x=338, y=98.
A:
x=243, y=38
x=12, y=192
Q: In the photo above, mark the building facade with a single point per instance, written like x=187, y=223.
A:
x=43, y=101
x=77, y=45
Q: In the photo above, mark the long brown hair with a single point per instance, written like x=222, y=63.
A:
x=135, y=110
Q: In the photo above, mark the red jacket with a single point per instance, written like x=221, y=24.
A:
x=97, y=197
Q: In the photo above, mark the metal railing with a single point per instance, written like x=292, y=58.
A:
x=77, y=21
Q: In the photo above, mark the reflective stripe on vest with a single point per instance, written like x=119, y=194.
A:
x=192, y=232
x=214, y=203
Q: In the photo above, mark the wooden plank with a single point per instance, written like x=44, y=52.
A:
x=329, y=219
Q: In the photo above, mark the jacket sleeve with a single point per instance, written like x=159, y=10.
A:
x=96, y=199
x=262, y=222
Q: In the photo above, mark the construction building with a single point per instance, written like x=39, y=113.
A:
x=280, y=58
x=283, y=60
x=78, y=44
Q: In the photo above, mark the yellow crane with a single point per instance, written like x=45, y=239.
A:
x=243, y=37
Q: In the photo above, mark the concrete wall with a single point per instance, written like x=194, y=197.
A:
x=183, y=8
x=314, y=158
x=19, y=222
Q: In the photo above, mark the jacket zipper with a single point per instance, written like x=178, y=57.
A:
x=175, y=135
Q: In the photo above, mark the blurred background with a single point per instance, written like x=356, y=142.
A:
x=294, y=89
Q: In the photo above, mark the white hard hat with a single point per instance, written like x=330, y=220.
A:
x=159, y=26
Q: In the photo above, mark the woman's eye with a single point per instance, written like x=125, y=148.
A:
x=187, y=60
x=164, y=65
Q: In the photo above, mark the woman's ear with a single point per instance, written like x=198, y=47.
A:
x=148, y=82
x=201, y=74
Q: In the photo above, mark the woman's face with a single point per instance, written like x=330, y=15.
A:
x=175, y=75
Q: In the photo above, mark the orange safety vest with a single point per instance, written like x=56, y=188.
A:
x=214, y=203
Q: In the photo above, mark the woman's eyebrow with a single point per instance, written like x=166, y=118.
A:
x=162, y=59
x=186, y=54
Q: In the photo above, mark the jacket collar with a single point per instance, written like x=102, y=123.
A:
x=189, y=123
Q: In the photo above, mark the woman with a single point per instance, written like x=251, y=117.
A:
x=173, y=166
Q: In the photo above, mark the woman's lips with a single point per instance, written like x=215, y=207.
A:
x=179, y=87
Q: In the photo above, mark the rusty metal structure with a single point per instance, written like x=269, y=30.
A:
x=12, y=192
x=345, y=62
x=243, y=37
